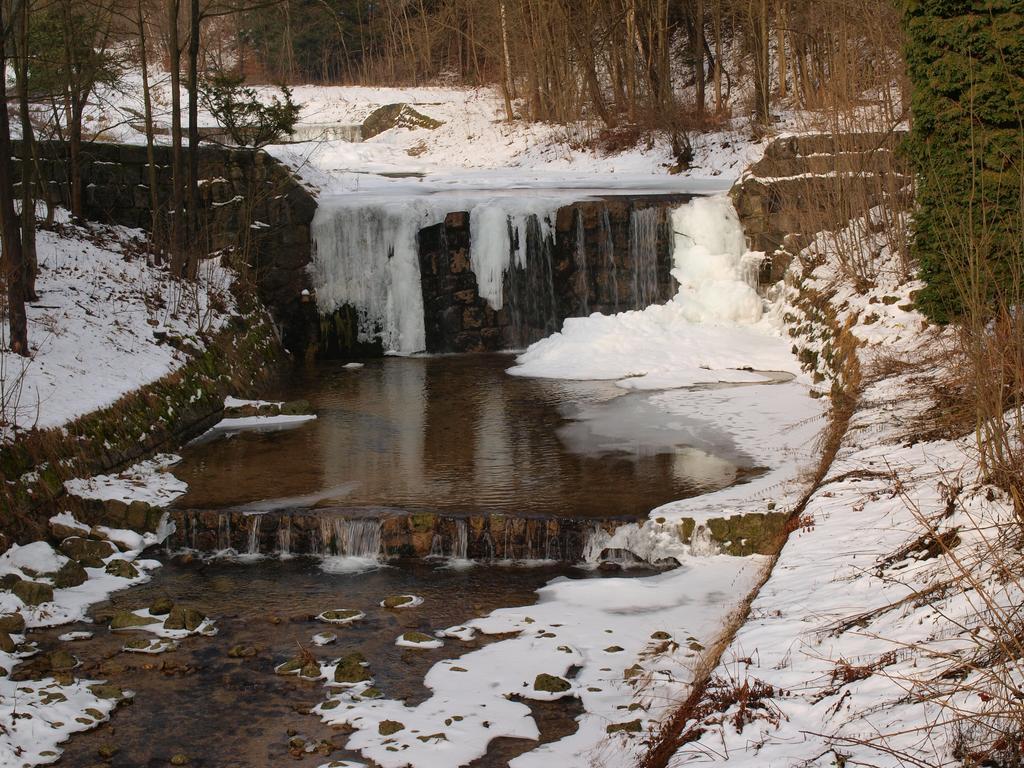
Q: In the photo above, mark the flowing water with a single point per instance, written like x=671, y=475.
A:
x=225, y=712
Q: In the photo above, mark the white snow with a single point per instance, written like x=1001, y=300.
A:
x=148, y=481
x=99, y=306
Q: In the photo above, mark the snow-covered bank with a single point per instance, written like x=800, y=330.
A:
x=862, y=648
x=107, y=322
x=37, y=714
x=716, y=329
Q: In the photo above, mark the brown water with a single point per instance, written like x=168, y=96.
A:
x=224, y=712
x=457, y=434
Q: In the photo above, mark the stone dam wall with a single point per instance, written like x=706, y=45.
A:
x=400, y=534
x=603, y=255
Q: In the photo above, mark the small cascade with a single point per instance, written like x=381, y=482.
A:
x=368, y=537
x=606, y=248
x=487, y=543
x=582, y=280
x=643, y=254
x=359, y=537
x=224, y=532
x=460, y=544
x=436, y=546
x=701, y=542
x=253, y=544
x=553, y=548
x=284, y=537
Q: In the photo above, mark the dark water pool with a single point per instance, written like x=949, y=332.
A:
x=457, y=434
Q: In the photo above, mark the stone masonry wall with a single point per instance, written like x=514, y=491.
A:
x=809, y=183
x=556, y=283
x=239, y=189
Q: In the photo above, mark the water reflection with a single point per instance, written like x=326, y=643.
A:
x=456, y=434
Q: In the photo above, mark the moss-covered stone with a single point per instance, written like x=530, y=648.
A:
x=389, y=727
x=398, y=601
x=122, y=568
x=551, y=684
x=350, y=670
x=129, y=620
x=633, y=726
x=33, y=592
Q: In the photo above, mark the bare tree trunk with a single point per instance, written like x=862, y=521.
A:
x=780, y=45
x=10, y=228
x=757, y=15
x=698, y=53
x=193, y=137
x=718, y=56
x=29, y=178
x=147, y=102
x=177, y=166
x=506, y=64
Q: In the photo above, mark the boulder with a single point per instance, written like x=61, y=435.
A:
x=71, y=574
x=184, y=618
x=13, y=623
x=161, y=606
x=87, y=552
x=33, y=592
x=396, y=116
x=7, y=645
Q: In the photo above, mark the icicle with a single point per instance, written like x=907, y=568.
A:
x=594, y=544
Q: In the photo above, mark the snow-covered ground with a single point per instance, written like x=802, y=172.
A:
x=103, y=325
x=474, y=147
x=37, y=715
x=862, y=647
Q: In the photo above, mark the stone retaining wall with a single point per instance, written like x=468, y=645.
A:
x=241, y=191
x=809, y=183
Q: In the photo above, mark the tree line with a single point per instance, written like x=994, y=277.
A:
x=629, y=68
x=62, y=53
